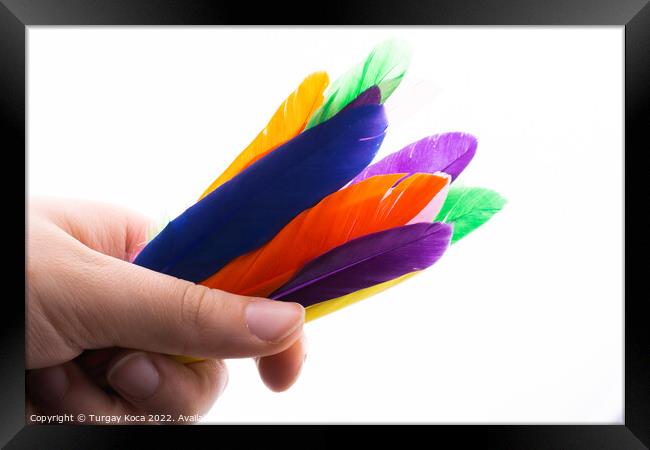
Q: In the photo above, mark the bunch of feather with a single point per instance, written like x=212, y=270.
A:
x=301, y=216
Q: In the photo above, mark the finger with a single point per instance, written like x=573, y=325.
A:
x=95, y=362
x=279, y=372
x=109, y=229
x=65, y=389
x=163, y=387
x=118, y=304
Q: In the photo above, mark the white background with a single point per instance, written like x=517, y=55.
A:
x=519, y=322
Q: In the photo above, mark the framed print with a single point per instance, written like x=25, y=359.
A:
x=439, y=192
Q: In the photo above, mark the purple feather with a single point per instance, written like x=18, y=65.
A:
x=371, y=96
x=367, y=261
x=448, y=152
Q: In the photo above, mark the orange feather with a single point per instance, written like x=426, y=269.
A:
x=287, y=122
x=367, y=207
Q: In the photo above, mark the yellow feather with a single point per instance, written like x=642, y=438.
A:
x=287, y=122
x=187, y=359
x=329, y=306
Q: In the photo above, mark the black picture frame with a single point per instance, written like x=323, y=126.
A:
x=634, y=15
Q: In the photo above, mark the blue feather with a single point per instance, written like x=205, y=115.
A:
x=247, y=211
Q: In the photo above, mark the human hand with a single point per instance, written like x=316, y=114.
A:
x=84, y=295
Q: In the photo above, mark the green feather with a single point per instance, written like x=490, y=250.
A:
x=385, y=67
x=467, y=208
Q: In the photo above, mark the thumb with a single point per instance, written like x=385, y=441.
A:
x=125, y=305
